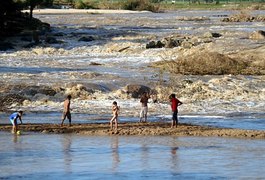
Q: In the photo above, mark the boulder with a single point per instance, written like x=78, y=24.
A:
x=33, y=90
x=93, y=87
x=87, y=39
x=211, y=35
x=171, y=42
x=258, y=35
x=51, y=40
x=136, y=90
x=155, y=44
x=47, y=91
x=9, y=99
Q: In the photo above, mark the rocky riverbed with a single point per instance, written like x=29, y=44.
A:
x=98, y=57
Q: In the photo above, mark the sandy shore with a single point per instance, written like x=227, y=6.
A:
x=82, y=11
x=141, y=129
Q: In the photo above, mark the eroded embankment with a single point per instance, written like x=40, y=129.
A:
x=139, y=129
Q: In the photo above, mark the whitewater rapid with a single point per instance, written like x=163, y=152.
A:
x=97, y=72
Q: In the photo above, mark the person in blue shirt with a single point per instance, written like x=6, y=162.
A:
x=13, y=119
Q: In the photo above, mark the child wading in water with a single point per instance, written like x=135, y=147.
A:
x=115, y=112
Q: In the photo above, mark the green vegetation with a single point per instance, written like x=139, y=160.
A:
x=157, y=5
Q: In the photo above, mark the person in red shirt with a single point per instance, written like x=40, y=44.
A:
x=174, y=106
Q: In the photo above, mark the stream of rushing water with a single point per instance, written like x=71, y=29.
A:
x=33, y=156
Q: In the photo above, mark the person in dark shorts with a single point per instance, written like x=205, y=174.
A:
x=174, y=106
x=66, y=110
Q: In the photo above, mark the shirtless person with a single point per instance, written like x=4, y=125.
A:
x=66, y=110
x=144, y=108
x=115, y=112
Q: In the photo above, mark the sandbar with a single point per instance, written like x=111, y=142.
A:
x=138, y=129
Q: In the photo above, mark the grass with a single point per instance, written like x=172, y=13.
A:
x=164, y=5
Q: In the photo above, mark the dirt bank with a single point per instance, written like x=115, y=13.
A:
x=140, y=129
x=81, y=11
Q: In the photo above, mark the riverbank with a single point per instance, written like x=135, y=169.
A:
x=82, y=11
x=139, y=129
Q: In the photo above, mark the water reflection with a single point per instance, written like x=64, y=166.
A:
x=67, y=155
x=115, y=152
x=115, y=157
x=174, y=155
x=145, y=155
x=15, y=138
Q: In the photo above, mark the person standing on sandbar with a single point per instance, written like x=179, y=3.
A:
x=115, y=112
x=174, y=106
x=144, y=108
x=66, y=110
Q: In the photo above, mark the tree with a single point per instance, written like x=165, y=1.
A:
x=7, y=9
x=33, y=3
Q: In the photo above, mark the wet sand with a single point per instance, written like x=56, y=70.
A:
x=139, y=129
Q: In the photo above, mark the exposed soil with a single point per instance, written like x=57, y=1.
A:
x=140, y=129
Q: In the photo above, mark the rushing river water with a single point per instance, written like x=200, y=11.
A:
x=69, y=66
x=238, y=103
x=34, y=156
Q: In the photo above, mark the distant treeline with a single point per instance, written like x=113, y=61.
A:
x=11, y=9
x=12, y=20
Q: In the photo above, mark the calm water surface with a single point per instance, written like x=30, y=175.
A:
x=32, y=156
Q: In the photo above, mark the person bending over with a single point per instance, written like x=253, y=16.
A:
x=13, y=119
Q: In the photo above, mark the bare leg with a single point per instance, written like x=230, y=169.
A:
x=111, y=122
x=116, y=123
x=172, y=123
x=141, y=116
x=111, y=125
x=14, y=129
x=62, y=121
x=63, y=118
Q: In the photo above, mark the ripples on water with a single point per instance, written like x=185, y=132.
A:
x=239, y=121
x=34, y=156
x=70, y=62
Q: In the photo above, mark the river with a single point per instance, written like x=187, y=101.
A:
x=69, y=67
